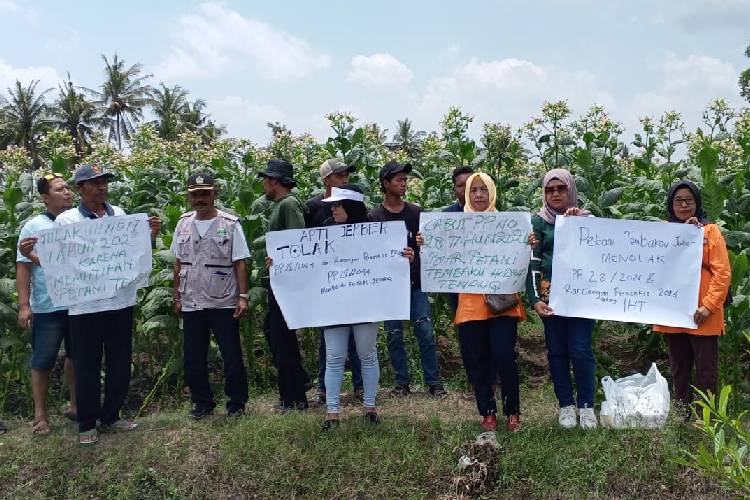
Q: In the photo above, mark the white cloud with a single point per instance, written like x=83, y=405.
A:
x=687, y=85
x=450, y=54
x=244, y=118
x=715, y=14
x=509, y=90
x=216, y=40
x=13, y=8
x=47, y=76
x=380, y=69
x=64, y=41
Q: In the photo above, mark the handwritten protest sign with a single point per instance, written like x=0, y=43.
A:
x=349, y=273
x=94, y=259
x=632, y=271
x=485, y=252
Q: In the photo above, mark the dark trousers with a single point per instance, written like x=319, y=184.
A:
x=267, y=335
x=568, y=342
x=686, y=350
x=354, y=362
x=108, y=333
x=198, y=326
x=488, y=347
x=291, y=376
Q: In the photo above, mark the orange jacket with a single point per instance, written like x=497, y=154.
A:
x=716, y=276
x=471, y=307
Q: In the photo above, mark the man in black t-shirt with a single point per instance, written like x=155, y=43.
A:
x=335, y=173
x=393, y=178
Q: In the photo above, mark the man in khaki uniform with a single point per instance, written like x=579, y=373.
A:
x=210, y=291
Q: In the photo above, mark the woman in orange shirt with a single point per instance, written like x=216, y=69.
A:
x=698, y=347
x=488, y=340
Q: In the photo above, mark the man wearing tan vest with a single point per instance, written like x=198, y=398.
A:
x=210, y=291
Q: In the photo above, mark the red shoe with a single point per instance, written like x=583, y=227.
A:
x=489, y=423
x=514, y=423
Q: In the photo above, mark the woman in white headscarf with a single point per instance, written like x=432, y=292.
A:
x=487, y=337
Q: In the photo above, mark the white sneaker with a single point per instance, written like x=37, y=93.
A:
x=568, y=417
x=588, y=418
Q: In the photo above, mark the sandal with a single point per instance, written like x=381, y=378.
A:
x=71, y=415
x=120, y=425
x=40, y=427
x=89, y=437
x=3, y=429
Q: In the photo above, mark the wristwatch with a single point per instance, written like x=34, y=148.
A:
x=245, y=295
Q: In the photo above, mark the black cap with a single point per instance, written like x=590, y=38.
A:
x=200, y=181
x=89, y=171
x=392, y=168
x=281, y=170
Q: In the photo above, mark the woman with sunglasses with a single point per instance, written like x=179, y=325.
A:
x=698, y=348
x=348, y=207
x=568, y=339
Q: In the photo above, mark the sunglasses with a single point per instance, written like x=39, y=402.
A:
x=556, y=189
x=49, y=177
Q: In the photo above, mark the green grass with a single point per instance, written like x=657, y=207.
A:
x=412, y=454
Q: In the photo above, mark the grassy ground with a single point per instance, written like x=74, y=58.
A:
x=412, y=454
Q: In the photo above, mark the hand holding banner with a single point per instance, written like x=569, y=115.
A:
x=622, y=270
x=342, y=274
x=474, y=252
x=94, y=259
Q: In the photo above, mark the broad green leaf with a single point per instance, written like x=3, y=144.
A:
x=609, y=198
x=708, y=160
x=12, y=196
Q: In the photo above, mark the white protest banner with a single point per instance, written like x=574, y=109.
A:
x=474, y=252
x=343, y=274
x=94, y=259
x=623, y=270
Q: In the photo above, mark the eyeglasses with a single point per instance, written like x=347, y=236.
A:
x=556, y=189
x=53, y=175
x=688, y=202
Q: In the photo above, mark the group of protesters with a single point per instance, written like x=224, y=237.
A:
x=211, y=294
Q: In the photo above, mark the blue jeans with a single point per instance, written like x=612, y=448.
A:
x=353, y=361
x=568, y=343
x=48, y=331
x=421, y=323
x=337, y=342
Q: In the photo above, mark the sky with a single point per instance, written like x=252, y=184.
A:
x=296, y=61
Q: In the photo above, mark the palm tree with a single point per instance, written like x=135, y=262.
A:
x=212, y=132
x=168, y=104
x=406, y=138
x=124, y=95
x=277, y=128
x=73, y=112
x=194, y=118
x=24, y=117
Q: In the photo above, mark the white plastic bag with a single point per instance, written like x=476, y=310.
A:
x=635, y=401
